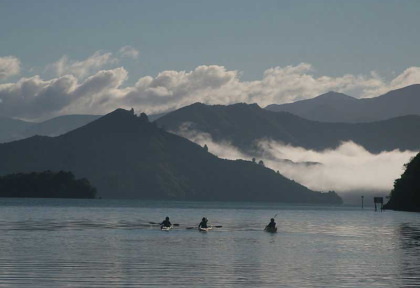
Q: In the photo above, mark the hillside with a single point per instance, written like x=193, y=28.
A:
x=243, y=124
x=337, y=107
x=406, y=193
x=125, y=156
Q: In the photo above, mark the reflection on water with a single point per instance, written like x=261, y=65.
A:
x=410, y=258
x=85, y=243
x=54, y=225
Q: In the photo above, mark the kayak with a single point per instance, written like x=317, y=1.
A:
x=201, y=229
x=165, y=228
x=270, y=229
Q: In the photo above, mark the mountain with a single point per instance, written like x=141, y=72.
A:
x=126, y=156
x=58, y=125
x=406, y=193
x=337, y=107
x=243, y=124
x=12, y=129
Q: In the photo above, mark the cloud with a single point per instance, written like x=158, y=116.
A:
x=129, y=52
x=222, y=149
x=169, y=90
x=9, y=66
x=347, y=168
x=99, y=94
x=81, y=69
x=216, y=85
x=408, y=77
x=34, y=98
x=173, y=89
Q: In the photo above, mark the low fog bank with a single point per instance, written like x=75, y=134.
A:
x=354, y=198
x=350, y=170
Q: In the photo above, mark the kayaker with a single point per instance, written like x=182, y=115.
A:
x=203, y=223
x=166, y=222
x=272, y=224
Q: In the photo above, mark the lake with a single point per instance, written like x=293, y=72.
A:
x=109, y=243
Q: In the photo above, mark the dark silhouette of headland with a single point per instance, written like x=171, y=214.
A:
x=406, y=193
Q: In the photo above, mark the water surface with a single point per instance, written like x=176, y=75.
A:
x=109, y=243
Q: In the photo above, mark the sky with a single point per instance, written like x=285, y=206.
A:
x=91, y=57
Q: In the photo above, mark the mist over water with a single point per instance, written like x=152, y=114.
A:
x=109, y=243
x=346, y=169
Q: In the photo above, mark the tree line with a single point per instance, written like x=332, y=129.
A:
x=45, y=184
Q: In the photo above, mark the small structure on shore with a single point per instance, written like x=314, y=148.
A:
x=379, y=200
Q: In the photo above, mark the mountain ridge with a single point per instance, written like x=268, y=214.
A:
x=395, y=103
x=243, y=124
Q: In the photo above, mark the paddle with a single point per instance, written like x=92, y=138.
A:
x=216, y=226
x=154, y=223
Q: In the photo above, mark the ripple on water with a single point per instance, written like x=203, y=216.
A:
x=114, y=246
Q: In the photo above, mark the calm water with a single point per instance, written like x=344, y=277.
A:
x=102, y=243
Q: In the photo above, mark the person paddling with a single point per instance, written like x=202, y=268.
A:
x=271, y=225
x=166, y=223
x=203, y=223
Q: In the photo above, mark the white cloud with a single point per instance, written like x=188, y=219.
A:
x=129, y=52
x=83, y=68
x=34, y=98
x=224, y=149
x=215, y=85
x=99, y=94
x=90, y=65
x=347, y=168
x=210, y=84
x=9, y=66
x=408, y=77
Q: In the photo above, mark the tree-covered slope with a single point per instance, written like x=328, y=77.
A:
x=406, y=193
x=45, y=184
x=125, y=156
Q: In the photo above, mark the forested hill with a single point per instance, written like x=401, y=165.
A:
x=45, y=184
x=406, y=193
x=243, y=124
x=126, y=156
